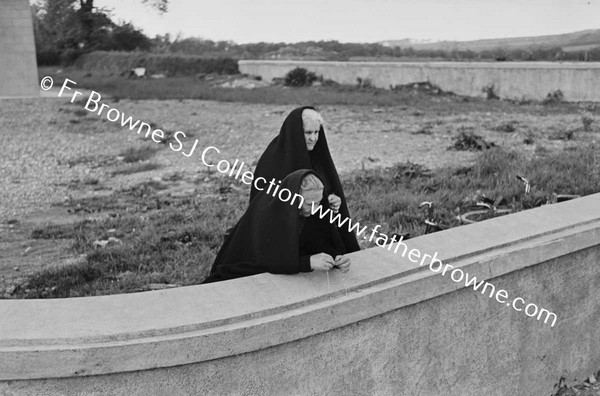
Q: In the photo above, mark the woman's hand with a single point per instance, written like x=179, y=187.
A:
x=321, y=261
x=343, y=263
x=334, y=202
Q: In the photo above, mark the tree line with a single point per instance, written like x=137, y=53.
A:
x=66, y=29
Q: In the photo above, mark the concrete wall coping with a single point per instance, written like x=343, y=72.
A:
x=441, y=65
x=107, y=334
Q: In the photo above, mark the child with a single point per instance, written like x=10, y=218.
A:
x=279, y=236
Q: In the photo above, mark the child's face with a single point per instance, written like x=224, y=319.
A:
x=310, y=197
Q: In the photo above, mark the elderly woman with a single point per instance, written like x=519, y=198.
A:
x=301, y=144
x=279, y=237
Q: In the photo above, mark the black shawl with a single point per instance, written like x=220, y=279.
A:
x=265, y=239
x=287, y=153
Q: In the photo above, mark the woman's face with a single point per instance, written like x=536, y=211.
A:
x=310, y=197
x=311, y=135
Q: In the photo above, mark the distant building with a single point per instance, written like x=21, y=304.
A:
x=18, y=67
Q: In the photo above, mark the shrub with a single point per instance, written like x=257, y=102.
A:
x=363, y=82
x=470, y=141
x=587, y=123
x=48, y=57
x=299, y=77
x=554, y=97
x=490, y=92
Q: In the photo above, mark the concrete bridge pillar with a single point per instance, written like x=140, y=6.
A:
x=18, y=68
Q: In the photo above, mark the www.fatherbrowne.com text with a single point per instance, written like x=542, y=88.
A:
x=272, y=187
x=435, y=265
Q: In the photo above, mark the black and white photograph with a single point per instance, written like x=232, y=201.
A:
x=335, y=197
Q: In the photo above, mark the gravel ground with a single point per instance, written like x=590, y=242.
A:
x=53, y=150
x=41, y=136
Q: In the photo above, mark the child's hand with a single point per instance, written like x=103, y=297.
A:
x=321, y=261
x=343, y=263
x=334, y=202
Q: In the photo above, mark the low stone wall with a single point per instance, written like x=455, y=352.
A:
x=511, y=80
x=388, y=327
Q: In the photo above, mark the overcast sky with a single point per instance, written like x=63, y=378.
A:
x=245, y=21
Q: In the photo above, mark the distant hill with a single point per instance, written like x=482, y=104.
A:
x=576, y=41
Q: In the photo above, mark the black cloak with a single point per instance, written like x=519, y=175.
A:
x=287, y=153
x=272, y=237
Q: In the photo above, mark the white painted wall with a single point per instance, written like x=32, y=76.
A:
x=511, y=80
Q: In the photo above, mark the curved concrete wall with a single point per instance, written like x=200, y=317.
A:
x=511, y=80
x=386, y=327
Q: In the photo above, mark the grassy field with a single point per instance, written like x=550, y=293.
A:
x=141, y=236
x=153, y=240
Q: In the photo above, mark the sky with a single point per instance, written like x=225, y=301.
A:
x=249, y=21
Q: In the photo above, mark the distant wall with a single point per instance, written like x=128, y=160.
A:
x=18, y=68
x=511, y=80
x=388, y=327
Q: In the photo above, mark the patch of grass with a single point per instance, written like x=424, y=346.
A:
x=174, y=240
x=391, y=198
x=136, y=154
x=508, y=126
x=58, y=282
x=136, y=168
x=587, y=123
x=164, y=240
x=562, y=135
x=53, y=231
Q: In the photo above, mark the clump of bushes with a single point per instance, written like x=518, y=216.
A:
x=299, y=77
x=587, y=123
x=490, y=92
x=363, y=83
x=554, y=97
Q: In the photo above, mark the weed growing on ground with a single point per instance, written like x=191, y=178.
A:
x=467, y=140
x=508, y=127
